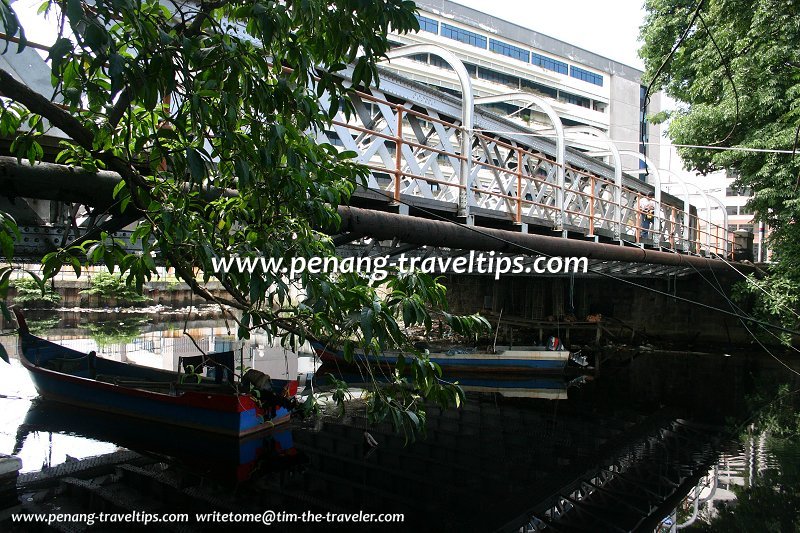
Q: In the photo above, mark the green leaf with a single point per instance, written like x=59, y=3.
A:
x=366, y=324
x=196, y=166
x=58, y=51
x=74, y=12
x=116, y=66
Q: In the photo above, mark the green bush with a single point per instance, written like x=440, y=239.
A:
x=108, y=285
x=30, y=293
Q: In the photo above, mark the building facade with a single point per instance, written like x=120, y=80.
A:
x=584, y=88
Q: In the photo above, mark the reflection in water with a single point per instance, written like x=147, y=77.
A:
x=753, y=486
x=511, y=454
x=506, y=385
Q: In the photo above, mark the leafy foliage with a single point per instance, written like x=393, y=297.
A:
x=738, y=75
x=108, y=285
x=29, y=291
x=204, y=110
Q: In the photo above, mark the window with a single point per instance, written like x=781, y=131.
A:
x=498, y=77
x=509, y=50
x=738, y=191
x=549, y=63
x=732, y=210
x=464, y=36
x=585, y=75
x=422, y=58
x=574, y=99
x=437, y=61
x=744, y=210
x=429, y=25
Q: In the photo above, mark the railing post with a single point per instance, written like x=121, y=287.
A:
x=519, y=185
x=591, y=205
x=398, y=155
x=465, y=169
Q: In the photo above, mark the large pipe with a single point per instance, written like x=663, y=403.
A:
x=416, y=230
x=62, y=183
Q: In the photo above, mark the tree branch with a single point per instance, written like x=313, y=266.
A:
x=38, y=104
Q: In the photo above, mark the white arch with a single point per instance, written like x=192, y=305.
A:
x=561, y=152
x=651, y=167
x=686, y=203
x=707, y=198
x=615, y=154
x=467, y=114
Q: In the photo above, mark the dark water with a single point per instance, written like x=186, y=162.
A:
x=522, y=452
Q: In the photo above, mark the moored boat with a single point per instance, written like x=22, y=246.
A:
x=161, y=396
x=536, y=359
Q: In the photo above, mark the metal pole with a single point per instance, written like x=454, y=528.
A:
x=398, y=155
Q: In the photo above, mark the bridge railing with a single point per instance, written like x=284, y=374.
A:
x=415, y=155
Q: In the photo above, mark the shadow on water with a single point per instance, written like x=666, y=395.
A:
x=620, y=450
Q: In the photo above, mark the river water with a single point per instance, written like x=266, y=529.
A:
x=644, y=445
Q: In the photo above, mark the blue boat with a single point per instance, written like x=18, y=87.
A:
x=537, y=359
x=65, y=375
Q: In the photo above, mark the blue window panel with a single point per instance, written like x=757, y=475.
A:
x=549, y=63
x=464, y=36
x=514, y=52
x=585, y=75
x=429, y=25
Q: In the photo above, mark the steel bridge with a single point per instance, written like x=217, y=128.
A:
x=433, y=155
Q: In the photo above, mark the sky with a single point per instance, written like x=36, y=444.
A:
x=606, y=27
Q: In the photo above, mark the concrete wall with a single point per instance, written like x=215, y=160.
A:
x=624, y=108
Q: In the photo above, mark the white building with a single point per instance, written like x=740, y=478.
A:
x=584, y=88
